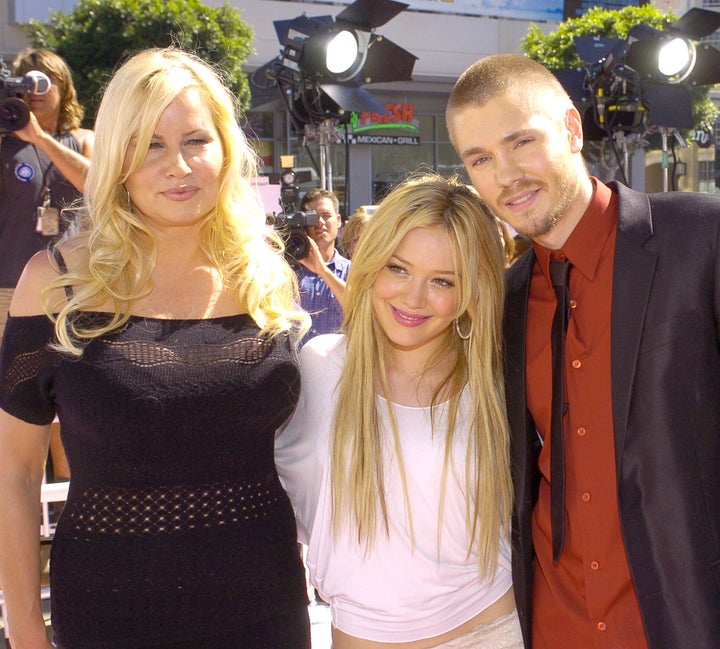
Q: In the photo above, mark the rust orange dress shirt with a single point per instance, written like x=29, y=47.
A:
x=586, y=600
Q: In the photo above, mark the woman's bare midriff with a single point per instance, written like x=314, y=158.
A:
x=503, y=606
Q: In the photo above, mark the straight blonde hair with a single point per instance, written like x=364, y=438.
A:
x=358, y=482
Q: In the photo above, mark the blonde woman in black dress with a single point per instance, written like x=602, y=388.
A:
x=163, y=337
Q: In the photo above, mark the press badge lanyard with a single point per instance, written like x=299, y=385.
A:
x=48, y=218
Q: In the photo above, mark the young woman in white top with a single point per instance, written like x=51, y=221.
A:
x=396, y=458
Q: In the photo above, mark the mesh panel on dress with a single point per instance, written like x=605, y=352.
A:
x=24, y=367
x=161, y=510
x=146, y=353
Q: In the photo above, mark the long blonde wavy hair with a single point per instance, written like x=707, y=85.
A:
x=121, y=250
x=358, y=483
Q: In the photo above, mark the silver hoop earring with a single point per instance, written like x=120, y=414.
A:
x=129, y=200
x=460, y=333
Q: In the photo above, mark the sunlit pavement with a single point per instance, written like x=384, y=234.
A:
x=320, y=626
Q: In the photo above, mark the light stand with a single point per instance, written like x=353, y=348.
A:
x=320, y=78
x=666, y=132
x=624, y=158
x=325, y=134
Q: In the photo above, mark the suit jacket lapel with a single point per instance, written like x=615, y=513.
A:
x=518, y=289
x=633, y=271
x=523, y=439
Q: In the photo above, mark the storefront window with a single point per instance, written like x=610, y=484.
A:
x=706, y=177
x=309, y=161
x=449, y=162
x=392, y=163
x=385, y=164
x=260, y=131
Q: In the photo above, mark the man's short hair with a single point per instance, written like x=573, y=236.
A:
x=495, y=75
x=317, y=192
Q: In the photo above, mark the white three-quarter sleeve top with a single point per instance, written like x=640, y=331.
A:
x=402, y=589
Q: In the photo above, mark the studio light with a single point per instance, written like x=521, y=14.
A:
x=322, y=66
x=337, y=54
x=676, y=59
x=642, y=84
x=644, y=81
x=343, y=54
x=324, y=63
x=660, y=57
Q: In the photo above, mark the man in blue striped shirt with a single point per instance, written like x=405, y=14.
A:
x=322, y=274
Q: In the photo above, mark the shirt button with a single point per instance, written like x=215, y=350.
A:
x=586, y=497
x=577, y=364
x=581, y=431
x=573, y=304
x=601, y=626
x=594, y=565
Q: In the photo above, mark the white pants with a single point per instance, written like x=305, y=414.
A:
x=502, y=633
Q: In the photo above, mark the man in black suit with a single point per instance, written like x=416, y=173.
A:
x=633, y=560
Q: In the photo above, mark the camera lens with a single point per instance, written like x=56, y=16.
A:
x=14, y=114
x=296, y=246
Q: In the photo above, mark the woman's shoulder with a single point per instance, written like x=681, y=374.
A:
x=86, y=139
x=322, y=357
x=72, y=252
x=330, y=347
x=41, y=269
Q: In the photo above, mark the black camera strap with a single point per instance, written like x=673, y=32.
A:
x=47, y=221
x=45, y=170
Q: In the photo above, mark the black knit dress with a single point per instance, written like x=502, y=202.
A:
x=176, y=532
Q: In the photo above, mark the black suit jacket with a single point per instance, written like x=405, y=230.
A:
x=665, y=332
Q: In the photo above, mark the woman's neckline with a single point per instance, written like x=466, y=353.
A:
x=134, y=316
x=407, y=407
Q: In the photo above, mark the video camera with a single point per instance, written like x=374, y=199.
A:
x=14, y=112
x=291, y=222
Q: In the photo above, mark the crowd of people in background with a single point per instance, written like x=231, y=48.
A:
x=353, y=228
x=487, y=410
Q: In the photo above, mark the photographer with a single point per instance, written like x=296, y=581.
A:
x=322, y=273
x=43, y=168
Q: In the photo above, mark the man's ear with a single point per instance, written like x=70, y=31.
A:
x=573, y=123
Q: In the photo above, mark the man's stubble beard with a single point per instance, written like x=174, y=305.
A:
x=567, y=185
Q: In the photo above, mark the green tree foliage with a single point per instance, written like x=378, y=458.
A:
x=99, y=34
x=556, y=50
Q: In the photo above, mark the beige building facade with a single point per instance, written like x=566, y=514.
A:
x=359, y=160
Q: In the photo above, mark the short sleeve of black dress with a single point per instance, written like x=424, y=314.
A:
x=27, y=369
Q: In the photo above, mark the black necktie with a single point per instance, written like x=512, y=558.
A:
x=559, y=273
